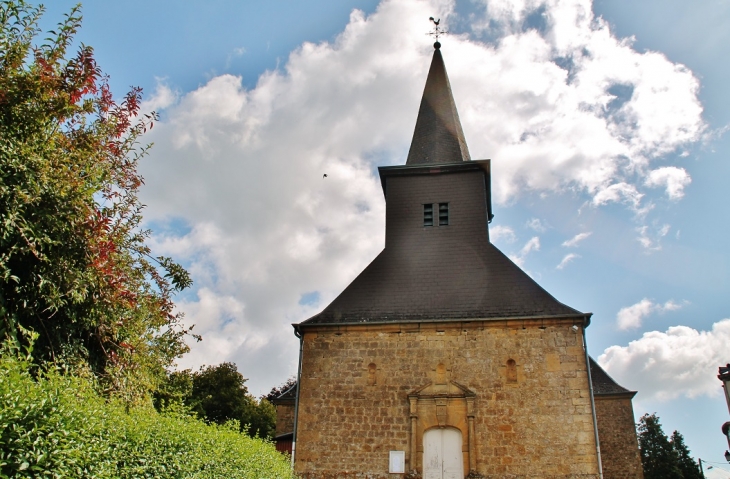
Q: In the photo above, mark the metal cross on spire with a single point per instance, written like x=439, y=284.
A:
x=437, y=30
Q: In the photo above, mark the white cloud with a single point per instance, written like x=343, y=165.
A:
x=567, y=259
x=502, y=233
x=163, y=97
x=580, y=107
x=619, y=193
x=672, y=178
x=573, y=242
x=532, y=245
x=536, y=224
x=242, y=168
x=632, y=316
x=650, y=239
x=679, y=362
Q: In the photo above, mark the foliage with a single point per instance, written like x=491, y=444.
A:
x=687, y=465
x=260, y=418
x=219, y=395
x=661, y=457
x=174, y=390
x=74, y=265
x=56, y=425
x=279, y=390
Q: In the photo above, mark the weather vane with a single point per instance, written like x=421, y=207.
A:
x=437, y=31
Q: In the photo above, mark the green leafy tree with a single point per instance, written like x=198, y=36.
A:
x=260, y=419
x=174, y=390
x=219, y=395
x=74, y=266
x=687, y=465
x=658, y=457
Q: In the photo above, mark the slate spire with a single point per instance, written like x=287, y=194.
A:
x=438, y=137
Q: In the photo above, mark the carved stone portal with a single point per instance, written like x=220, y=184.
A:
x=448, y=404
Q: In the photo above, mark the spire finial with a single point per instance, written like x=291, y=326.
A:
x=436, y=32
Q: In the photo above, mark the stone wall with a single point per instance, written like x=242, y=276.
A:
x=526, y=381
x=616, y=434
x=284, y=416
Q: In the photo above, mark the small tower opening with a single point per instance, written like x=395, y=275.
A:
x=428, y=215
x=443, y=214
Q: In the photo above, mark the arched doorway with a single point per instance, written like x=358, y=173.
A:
x=442, y=456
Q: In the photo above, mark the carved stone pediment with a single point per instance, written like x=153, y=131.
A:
x=451, y=389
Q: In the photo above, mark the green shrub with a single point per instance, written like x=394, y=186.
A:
x=56, y=425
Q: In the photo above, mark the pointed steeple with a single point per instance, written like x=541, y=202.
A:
x=438, y=137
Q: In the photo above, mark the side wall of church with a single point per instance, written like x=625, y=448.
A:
x=284, y=417
x=531, y=410
x=616, y=434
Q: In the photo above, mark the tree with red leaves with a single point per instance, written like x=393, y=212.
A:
x=76, y=277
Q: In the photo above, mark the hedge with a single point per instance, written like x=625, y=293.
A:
x=57, y=425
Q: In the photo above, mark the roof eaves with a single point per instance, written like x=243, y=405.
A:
x=427, y=169
x=586, y=317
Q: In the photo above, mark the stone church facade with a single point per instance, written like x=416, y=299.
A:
x=443, y=359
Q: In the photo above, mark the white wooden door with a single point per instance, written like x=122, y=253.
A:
x=442, y=458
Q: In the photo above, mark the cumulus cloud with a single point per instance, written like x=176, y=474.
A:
x=632, y=316
x=619, y=193
x=567, y=259
x=163, y=97
x=670, y=177
x=581, y=107
x=242, y=170
x=573, y=242
x=568, y=105
x=681, y=361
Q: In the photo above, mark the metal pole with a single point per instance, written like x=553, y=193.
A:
x=702, y=471
x=593, y=403
x=299, y=335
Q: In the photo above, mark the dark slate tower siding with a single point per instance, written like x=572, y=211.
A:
x=406, y=195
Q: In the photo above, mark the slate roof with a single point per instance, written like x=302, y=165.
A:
x=603, y=384
x=289, y=394
x=438, y=137
x=724, y=373
x=472, y=284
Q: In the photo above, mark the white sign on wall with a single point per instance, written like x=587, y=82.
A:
x=397, y=462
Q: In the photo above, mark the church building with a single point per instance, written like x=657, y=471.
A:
x=443, y=359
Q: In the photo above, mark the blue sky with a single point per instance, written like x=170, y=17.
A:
x=605, y=122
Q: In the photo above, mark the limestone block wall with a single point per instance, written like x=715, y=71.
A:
x=616, y=434
x=530, y=410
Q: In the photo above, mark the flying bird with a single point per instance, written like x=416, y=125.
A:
x=324, y=176
x=435, y=22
